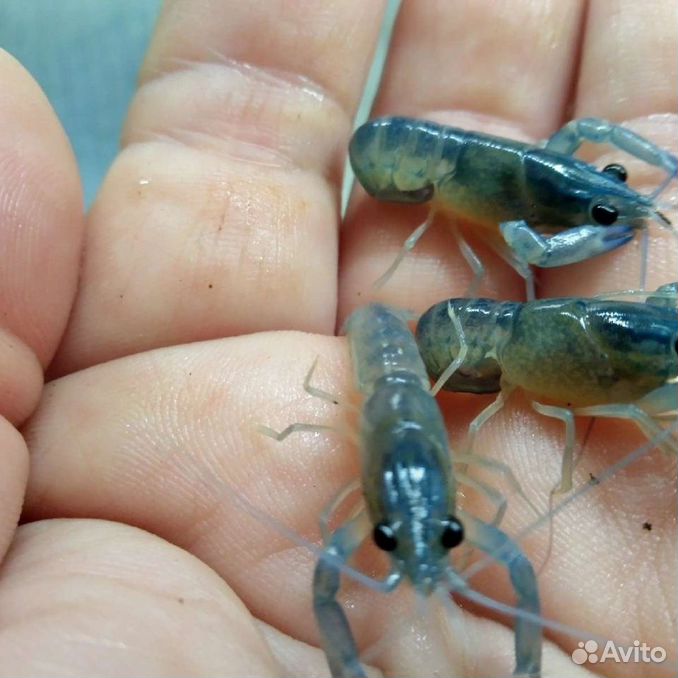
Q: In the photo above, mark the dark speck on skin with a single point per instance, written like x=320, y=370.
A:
x=210, y=286
x=181, y=601
x=593, y=480
x=647, y=526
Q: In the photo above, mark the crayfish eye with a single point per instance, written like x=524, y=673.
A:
x=617, y=171
x=453, y=533
x=418, y=195
x=604, y=214
x=384, y=537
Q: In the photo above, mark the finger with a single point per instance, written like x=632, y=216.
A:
x=172, y=446
x=40, y=231
x=471, y=55
x=629, y=69
x=220, y=215
x=41, y=226
x=629, y=62
x=189, y=479
x=13, y=479
x=84, y=597
x=503, y=68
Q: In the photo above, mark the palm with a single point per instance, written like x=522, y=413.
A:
x=219, y=221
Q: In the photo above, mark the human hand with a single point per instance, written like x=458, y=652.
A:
x=218, y=226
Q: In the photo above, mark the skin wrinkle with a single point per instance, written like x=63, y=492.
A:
x=250, y=94
x=259, y=156
x=321, y=35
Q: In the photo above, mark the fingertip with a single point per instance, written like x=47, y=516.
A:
x=41, y=214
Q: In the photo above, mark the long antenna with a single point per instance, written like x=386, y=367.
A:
x=370, y=91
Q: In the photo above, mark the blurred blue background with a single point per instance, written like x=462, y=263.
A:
x=86, y=55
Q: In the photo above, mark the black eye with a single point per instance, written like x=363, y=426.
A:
x=423, y=194
x=384, y=537
x=604, y=214
x=617, y=171
x=453, y=533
